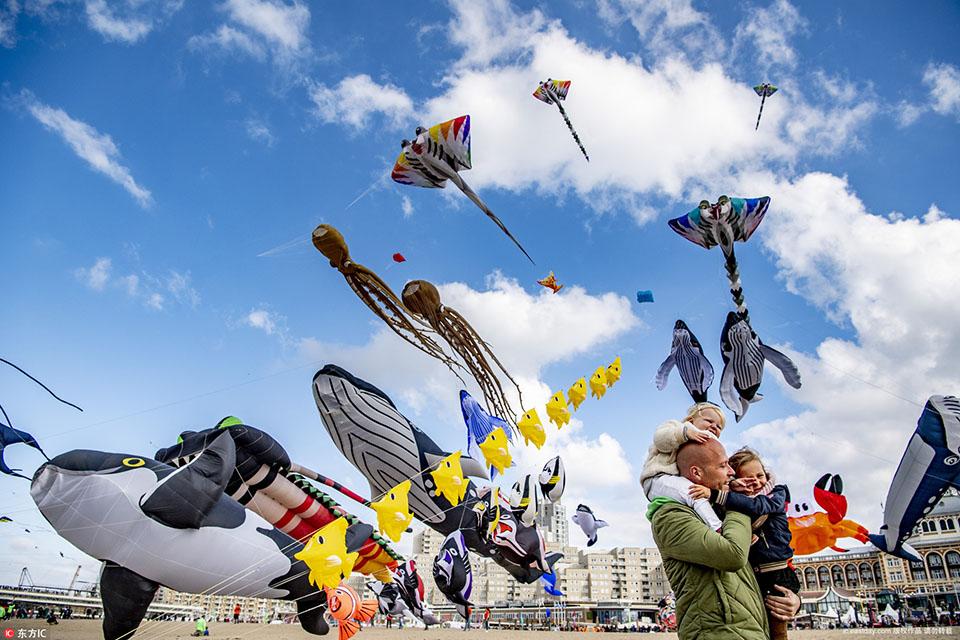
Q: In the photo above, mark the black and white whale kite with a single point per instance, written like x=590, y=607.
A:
x=453, y=574
x=153, y=524
x=686, y=355
x=387, y=449
x=930, y=465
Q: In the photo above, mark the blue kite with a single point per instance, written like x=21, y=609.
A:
x=644, y=296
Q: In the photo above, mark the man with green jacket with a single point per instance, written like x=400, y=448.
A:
x=717, y=594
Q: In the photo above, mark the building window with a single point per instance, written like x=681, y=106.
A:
x=852, y=581
x=810, y=578
x=918, y=571
x=935, y=564
x=866, y=575
x=953, y=564
x=823, y=575
x=877, y=575
x=837, y=573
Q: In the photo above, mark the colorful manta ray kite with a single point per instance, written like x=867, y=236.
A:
x=764, y=90
x=721, y=224
x=927, y=469
x=436, y=155
x=553, y=92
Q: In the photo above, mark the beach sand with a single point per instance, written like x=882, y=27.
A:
x=90, y=630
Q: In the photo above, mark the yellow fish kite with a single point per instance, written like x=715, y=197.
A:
x=495, y=450
x=598, y=383
x=393, y=511
x=532, y=429
x=448, y=476
x=557, y=409
x=326, y=555
x=578, y=393
x=613, y=372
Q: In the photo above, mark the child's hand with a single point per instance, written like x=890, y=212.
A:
x=744, y=485
x=698, y=491
x=698, y=435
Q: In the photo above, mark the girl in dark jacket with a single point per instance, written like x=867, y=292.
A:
x=770, y=552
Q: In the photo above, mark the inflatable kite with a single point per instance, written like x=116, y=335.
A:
x=389, y=601
x=393, y=512
x=644, y=295
x=531, y=428
x=588, y=523
x=550, y=282
x=410, y=585
x=553, y=479
x=687, y=356
x=436, y=155
x=449, y=480
x=265, y=481
x=667, y=613
x=452, y=573
x=327, y=557
x=577, y=393
x=743, y=356
x=480, y=424
x=557, y=411
x=598, y=383
x=549, y=582
x=553, y=92
x=496, y=452
x=377, y=295
x=387, y=448
x=153, y=524
x=764, y=90
x=614, y=371
x=927, y=469
x=817, y=521
x=525, y=500
x=8, y=436
x=398, y=257
x=721, y=224
x=423, y=300
x=349, y=610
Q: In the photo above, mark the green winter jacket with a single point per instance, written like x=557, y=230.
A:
x=717, y=594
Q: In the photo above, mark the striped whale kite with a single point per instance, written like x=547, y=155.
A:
x=438, y=154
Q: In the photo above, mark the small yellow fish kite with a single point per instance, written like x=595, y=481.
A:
x=598, y=382
x=495, y=450
x=532, y=429
x=557, y=409
x=578, y=393
x=325, y=554
x=550, y=282
x=613, y=372
x=393, y=511
x=448, y=476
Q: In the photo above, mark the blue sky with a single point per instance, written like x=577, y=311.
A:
x=153, y=151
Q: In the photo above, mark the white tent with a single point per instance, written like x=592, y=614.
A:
x=850, y=617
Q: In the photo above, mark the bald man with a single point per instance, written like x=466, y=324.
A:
x=718, y=597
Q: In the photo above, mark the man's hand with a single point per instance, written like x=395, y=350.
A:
x=698, y=491
x=698, y=435
x=745, y=485
x=783, y=607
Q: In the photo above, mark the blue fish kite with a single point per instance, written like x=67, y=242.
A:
x=549, y=582
x=8, y=436
x=644, y=296
x=928, y=467
x=479, y=422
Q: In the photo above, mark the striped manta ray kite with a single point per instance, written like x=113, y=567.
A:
x=438, y=154
x=764, y=90
x=721, y=224
x=553, y=92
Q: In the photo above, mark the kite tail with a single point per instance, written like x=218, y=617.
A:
x=41, y=384
x=736, y=288
x=762, y=100
x=333, y=484
x=572, y=130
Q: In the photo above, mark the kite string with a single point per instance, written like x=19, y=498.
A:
x=46, y=388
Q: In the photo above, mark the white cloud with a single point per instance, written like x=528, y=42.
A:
x=767, y=32
x=667, y=28
x=129, y=21
x=97, y=149
x=9, y=10
x=407, y=206
x=260, y=26
x=97, y=276
x=890, y=279
x=263, y=320
x=943, y=80
x=145, y=288
x=907, y=113
x=259, y=131
x=356, y=98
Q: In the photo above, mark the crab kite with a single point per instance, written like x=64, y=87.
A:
x=764, y=90
x=438, y=154
x=553, y=92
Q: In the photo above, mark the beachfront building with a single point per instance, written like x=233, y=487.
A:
x=220, y=608
x=870, y=580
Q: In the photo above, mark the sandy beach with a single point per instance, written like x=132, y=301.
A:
x=90, y=630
